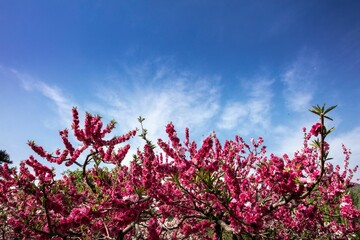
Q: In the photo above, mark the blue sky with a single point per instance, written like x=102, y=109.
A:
x=236, y=67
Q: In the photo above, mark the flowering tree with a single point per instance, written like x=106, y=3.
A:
x=177, y=190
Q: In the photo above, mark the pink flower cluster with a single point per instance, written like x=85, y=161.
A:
x=181, y=192
x=316, y=129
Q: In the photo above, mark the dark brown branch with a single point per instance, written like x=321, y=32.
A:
x=47, y=211
x=89, y=183
x=287, y=199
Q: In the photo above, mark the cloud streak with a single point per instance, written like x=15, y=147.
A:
x=62, y=104
x=160, y=94
x=252, y=114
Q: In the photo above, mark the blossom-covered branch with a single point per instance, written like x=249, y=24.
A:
x=178, y=189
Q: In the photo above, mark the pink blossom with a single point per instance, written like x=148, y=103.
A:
x=176, y=190
x=316, y=129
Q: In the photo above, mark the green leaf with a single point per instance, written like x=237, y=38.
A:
x=316, y=143
x=141, y=119
x=329, y=118
x=313, y=111
x=323, y=108
x=140, y=190
x=330, y=130
x=316, y=107
x=175, y=178
x=329, y=109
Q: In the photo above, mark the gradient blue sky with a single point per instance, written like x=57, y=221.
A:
x=251, y=68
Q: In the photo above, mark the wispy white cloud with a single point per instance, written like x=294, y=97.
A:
x=233, y=114
x=160, y=94
x=300, y=81
x=62, y=103
x=248, y=115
